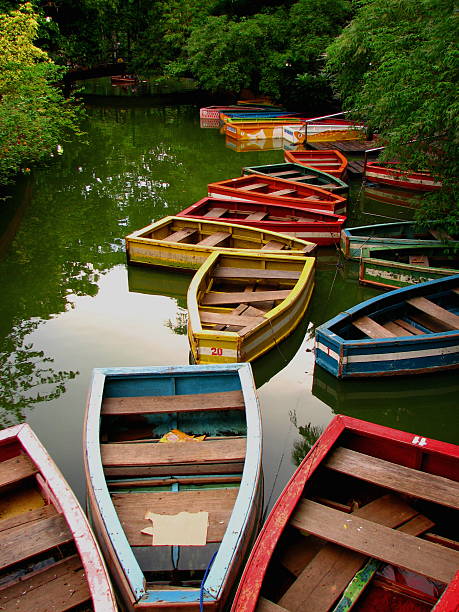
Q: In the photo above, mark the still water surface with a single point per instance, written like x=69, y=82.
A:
x=70, y=303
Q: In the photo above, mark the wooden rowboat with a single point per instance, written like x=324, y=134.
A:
x=49, y=557
x=321, y=227
x=389, y=173
x=391, y=268
x=367, y=519
x=298, y=173
x=406, y=331
x=255, y=188
x=203, y=497
x=390, y=235
x=330, y=161
x=186, y=243
x=240, y=305
x=261, y=130
x=213, y=112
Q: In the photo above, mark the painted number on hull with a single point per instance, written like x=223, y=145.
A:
x=216, y=351
x=419, y=441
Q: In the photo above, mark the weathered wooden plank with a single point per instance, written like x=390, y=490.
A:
x=214, y=239
x=273, y=245
x=29, y=539
x=397, y=330
x=15, y=469
x=216, y=318
x=372, y=328
x=132, y=507
x=433, y=537
x=241, y=273
x=419, y=260
x=214, y=299
x=265, y=605
x=148, y=454
x=28, y=517
x=287, y=172
x=176, y=470
x=214, y=213
x=378, y=541
x=181, y=235
x=445, y=317
x=225, y=400
x=165, y=482
x=256, y=216
x=408, y=327
x=282, y=192
x=254, y=186
x=396, y=477
x=60, y=587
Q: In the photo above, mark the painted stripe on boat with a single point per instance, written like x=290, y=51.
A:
x=327, y=350
x=408, y=354
x=207, y=350
x=402, y=178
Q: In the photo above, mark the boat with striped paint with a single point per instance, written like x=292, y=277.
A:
x=412, y=330
x=261, y=130
x=367, y=520
x=330, y=161
x=213, y=112
x=265, y=189
x=240, y=305
x=136, y=474
x=391, y=268
x=185, y=243
x=321, y=227
x=391, y=235
x=50, y=559
x=390, y=173
x=299, y=173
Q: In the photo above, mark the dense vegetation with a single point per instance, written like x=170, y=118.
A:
x=393, y=64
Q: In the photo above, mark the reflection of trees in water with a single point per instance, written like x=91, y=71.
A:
x=179, y=326
x=26, y=378
x=310, y=434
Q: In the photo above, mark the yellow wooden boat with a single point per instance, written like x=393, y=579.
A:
x=186, y=243
x=241, y=304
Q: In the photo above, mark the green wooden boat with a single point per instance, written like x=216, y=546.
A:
x=394, y=268
x=301, y=174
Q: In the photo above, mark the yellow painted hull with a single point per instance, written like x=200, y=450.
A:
x=332, y=135
x=257, y=132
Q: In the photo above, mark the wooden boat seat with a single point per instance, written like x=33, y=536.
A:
x=265, y=605
x=181, y=235
x=372, y=328
x=406, y=480
x=214, y=239
x=213, y=299
x=444, y=317
x=31, y=538
x=273, y=245
x=242, y=273
x=285, y=173
x=256, y=216
x=325, y=163
x=225, y=400
x=419, y=260
x=305, y=177
x=15, y=469
x=30, y=516
x=63, y=583
x=317, y=159
x=282, y=192
x=375, y=540
x=313, y=198
x=131, y=509
x=328, y=186
x=340, y=564
x=214, y=318
x=254, y=186
x=214, y=213
x=411, y=329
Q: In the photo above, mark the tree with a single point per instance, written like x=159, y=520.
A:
x=396, y=67
x=34, y=115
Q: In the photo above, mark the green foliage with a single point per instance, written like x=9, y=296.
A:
x=396, y=66
x=34, y=115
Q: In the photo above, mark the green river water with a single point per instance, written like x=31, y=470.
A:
x=70, y=303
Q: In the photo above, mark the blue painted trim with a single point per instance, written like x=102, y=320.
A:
x=174, y=597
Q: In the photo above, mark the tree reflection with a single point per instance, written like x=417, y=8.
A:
x=310, y=434
x=179, y=326
x=26, y=376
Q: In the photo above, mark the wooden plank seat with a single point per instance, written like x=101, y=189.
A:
x=329, y=186
x=325, y=163
x=372, y=328
x=256, y=216
x=282, y=192
x=285, y=173
x=265, y=605
x=214, y=239
x=411, y=329
x=305, y=177
x=166, y=482
x=131, y=510
x=378, y=541
x=312, y=197
x=397, y=330
x=214, y=299
x=181, y=235
x=418, y=260
x=154, y=404
x=37, y=514
x=15, y=469
x=254, y=186
x=427, y=322
x=149, y=470
x=397, y=477
x=242, y=273
x=64, y=584
x=273, y=245
x=214, y=318
x=31, y=538
x=339, y=564
x=219, y=450
x=214, y=213
x=439, y=314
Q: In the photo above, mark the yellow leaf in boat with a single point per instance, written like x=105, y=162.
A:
x=175, y=435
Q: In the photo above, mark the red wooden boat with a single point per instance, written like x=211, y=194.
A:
x=367, y=520
x=320, y=227
x=389, y=173
x=49, y=556
x=264, y=189
x=331, y=161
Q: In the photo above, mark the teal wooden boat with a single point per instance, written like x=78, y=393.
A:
x=391, y=235
x=175, y=514
x=299, y=173
x=399, y=267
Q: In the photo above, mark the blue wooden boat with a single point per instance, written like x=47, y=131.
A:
x=145, y=456
x=412, y=330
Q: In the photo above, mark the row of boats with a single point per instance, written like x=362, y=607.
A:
x=173, y=470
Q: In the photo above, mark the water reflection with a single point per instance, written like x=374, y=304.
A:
x=395, y=204
x=309, y=435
